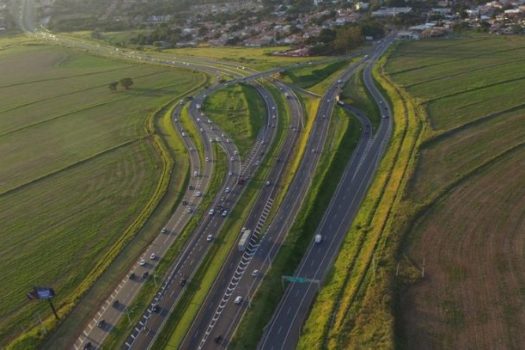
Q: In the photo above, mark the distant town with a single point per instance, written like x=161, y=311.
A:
x=308, y=27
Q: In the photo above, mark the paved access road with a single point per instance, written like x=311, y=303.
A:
x=284, y=329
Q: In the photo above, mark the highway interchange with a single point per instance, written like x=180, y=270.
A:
x=219, y=317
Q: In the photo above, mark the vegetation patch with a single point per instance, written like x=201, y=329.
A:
x=240, y=111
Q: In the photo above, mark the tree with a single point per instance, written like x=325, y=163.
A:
x=113, y=85
x=347, y=38
x=126, y=83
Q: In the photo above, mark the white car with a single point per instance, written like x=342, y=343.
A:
x=212, y=211
x=227, y=190
x=255, y=273
x=224, y=213
x=198, y=194
x=237, y=300
x=153, y=256
x=209, y=238
x=142, y=262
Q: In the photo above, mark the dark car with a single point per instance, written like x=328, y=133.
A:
x=116, y=304
x=88, y=346
x=156, y=309
x=218, y=339
x=145, y=275
x=132, y=276
x=183, y=282
x=101, y=324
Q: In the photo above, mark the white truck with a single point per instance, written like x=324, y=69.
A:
x=245, y=238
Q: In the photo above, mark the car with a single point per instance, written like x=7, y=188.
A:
x=318, y=238
x=207, y=159
x=273, y=116
x=273, y=108
x=255, y=273
x=156, y=309
x=236, y=152
x=195, y=173
x=385, y=116
x=153, y=256
x=232, y=158
x=224, y=213
x=189, y=210
x=268, y=183
x=183, y=282
x=201, y=130
x=227, y=190
x=198, y=120
x=116, y=304
x=211, y=212
x=132, y=276
x=88, y=346
x=198, y=194
x=238, y=300
x=175, y=120
x=183, y=134
x=230, y=173
x=218, y=339
x=324, y=116
x=142, y=262
x=101, y=324
x=145, y=275
x=164, y=230
x=209, y=238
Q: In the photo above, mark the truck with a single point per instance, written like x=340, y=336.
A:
x=245, y=238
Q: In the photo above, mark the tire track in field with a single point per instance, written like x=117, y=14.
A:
x=65, y=77
x=491, y=85
x=10, y=109
x=483, y=119
x=70, y=166
x=72, y=113
x=463, y=72
x=489, y=54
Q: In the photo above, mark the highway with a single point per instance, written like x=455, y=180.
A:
x=219, y=316
x=116, y=304
x=187, y=264
x=284, y=329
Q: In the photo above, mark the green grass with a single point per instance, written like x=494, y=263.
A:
x=309, y=76
x=356, y=94
x=343, y=136
x=240, y=111
x=80, y=167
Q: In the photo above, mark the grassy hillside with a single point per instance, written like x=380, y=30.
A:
x=240, y=111
x=466, y=193
x=80, y=165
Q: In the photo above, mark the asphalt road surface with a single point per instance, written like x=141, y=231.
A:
x=284, y=329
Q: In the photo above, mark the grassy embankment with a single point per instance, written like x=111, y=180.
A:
x=61, y=130
x=315, y=78
x=356, y=94
x=343, y=136
x=240, y=112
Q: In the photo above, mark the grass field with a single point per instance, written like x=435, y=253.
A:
x=315, y=77
x=79, y=165
x=466, y=195
x=355, y=93
x=240, y=111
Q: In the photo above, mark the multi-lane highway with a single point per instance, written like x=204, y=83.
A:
x=284, y=329
x=220, y=315
x=154, y=318
x=116, y=304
